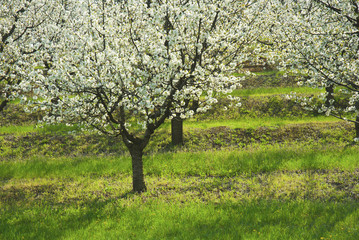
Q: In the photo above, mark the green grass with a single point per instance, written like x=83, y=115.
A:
x=40, y=166
x=269, y=72
x=272, y=192
x=256, y=92
x=254, y=122
x=155, y=219
x=294, y=190
x=225, y=163
x=262, y=73
x=188, y=124
x=17, y=130
x=23, y=129
x=266, y=159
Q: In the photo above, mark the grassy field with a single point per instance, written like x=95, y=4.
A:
x=268, y=170
x=267, y=192
x=274, y=90
x=256, y=122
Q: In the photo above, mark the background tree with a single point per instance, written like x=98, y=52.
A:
x=22, y=25
x=124, y=67
x=320, y=41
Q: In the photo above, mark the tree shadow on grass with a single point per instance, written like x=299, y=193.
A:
x=263, y=219
x=266, y=220
x=49, y=220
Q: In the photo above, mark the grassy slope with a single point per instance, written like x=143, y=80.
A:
x=274, y=177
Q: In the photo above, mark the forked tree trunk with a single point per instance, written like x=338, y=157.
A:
x=177, y=130
x=138, y=181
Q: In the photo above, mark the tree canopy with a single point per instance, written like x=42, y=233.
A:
x=319, y=40
x=124, y=67
x=23, y=25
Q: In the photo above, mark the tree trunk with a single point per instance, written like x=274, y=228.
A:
x=357, y=127
x=177, y=130
x=330, y=97
x=138, y=181
x=356, y=124
x=3, y=105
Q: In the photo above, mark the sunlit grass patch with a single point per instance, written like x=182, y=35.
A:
x=261, y=192
x=255, y=122
x=252, y=160
x=40, y=128
x=50, y=167
x=330, y=185
x=18, y=129
x=138, y=217
x=190, y=123
x=255, y=92
x=230, y=162
x=261, y=73
x=58, y=128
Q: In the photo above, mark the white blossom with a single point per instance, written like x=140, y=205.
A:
x=113, y=63
x=319, y=40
